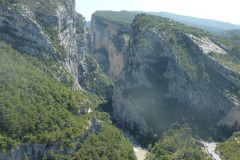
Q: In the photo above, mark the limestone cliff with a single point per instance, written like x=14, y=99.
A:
x=110, y=41
x=25, y=35
x=172, y=72
x=54, y=33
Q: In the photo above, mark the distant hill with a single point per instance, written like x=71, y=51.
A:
x=205, y=24
x=122, y=17
x=234, y=35
x=209, y=25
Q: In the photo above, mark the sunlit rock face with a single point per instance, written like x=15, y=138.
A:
x=73, y=36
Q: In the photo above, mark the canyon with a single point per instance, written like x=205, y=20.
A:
x=152, y=72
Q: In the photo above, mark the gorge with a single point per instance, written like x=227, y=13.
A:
x=64, y=88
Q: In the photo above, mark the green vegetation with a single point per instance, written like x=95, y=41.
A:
x=175, y=34
x=160, y=112
x=52, y=33
x=177, y=143
x=234, y=35
x=49, y=8
x=95, y=80
x=230, y=149
x=122, y=17
x=109, y=144
x=230, y=61
x=35, y=108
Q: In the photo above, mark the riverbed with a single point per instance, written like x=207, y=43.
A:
x=140, y=151
x=210, y=147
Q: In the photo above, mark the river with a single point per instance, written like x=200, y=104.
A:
x=210, y=147
x=140, y=152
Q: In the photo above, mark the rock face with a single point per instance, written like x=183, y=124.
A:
x=40, y=151
x=25, y=34
x=110, y=41
x=32, y=31
x=72, y=35
x=171, y=73
x=57, y=33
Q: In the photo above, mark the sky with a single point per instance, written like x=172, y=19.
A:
x=222, y=10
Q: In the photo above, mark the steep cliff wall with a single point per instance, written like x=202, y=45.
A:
x=169, y=75
x=55, y=33
x=59, y=34
x=110, y=41
x=25, y=35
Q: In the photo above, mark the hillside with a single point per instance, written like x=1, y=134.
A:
x=209, y=25
x=51, y=87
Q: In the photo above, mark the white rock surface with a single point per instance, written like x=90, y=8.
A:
x=207, y=45
x=210, y=147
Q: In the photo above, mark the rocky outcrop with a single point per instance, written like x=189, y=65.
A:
x=110, y=41
x=40, y=151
